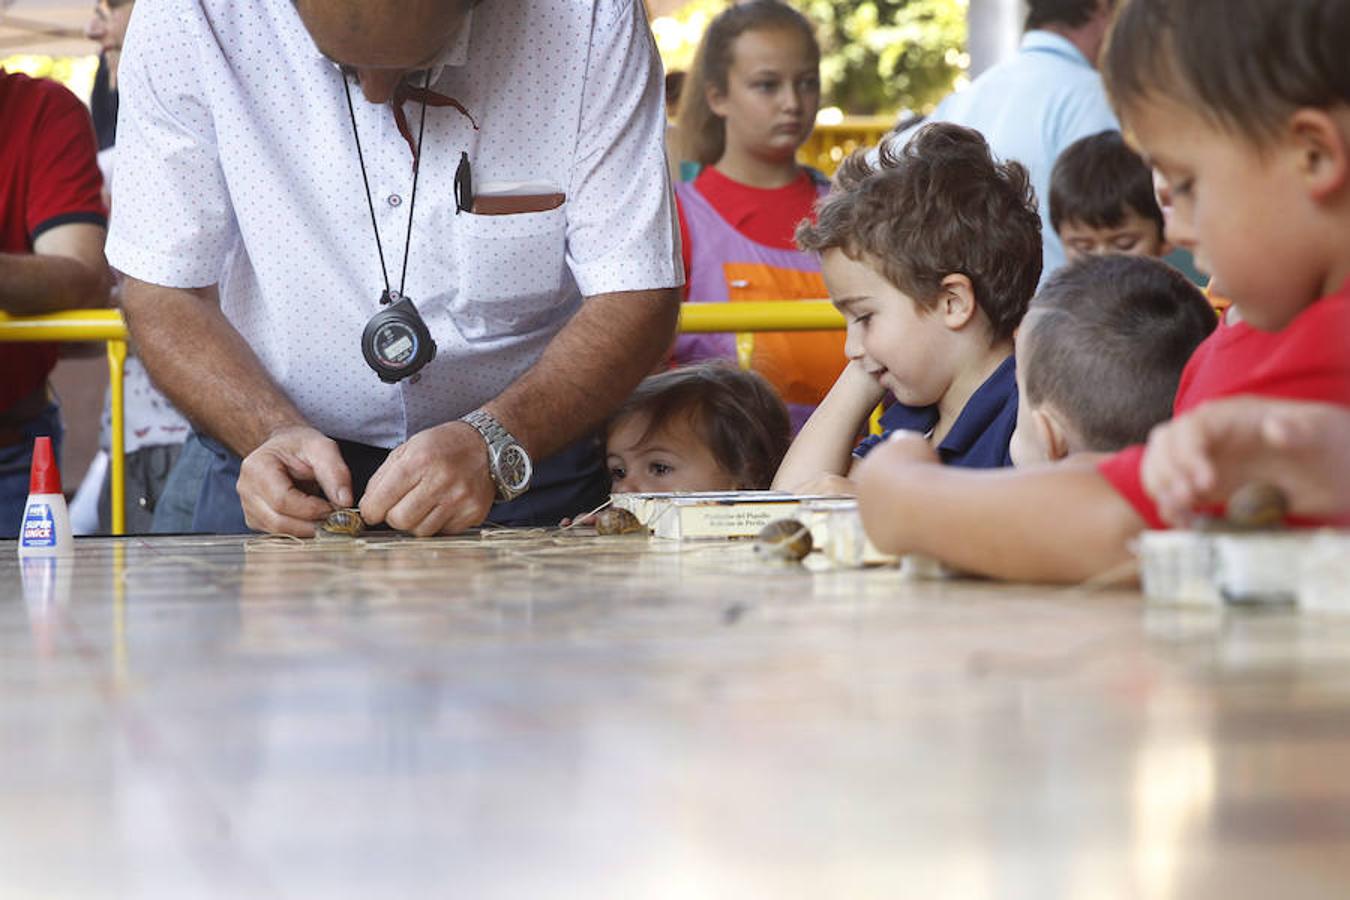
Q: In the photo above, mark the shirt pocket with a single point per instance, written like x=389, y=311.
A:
x=510, y=273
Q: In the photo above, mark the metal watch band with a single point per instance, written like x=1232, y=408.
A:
x=497, y=438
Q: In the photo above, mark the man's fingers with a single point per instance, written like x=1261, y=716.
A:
x=331, y=472
x=425, y=511
x=279, y=524
x=296, y=504
x=263, y=488
x=382, y=491
x=412, y=511
x=437, y=482
x=294, y=514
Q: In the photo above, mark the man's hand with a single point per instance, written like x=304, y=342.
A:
x=1200, y=458
x=438, y=482
x=268, y=479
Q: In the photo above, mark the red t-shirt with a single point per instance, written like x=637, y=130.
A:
x=48, y=177
x=1308, y=360
x=767, y=216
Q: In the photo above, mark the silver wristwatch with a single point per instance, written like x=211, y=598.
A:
x=509, y=463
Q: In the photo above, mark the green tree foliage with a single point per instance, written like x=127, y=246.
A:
x=881, y=56
x=75, y=72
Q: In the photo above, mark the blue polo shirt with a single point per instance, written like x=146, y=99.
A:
x=1032, y=106
x=980, y=436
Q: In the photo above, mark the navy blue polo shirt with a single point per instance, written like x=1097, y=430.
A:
x=979, y=439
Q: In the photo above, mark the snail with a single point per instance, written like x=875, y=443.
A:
x=785, y=539
x=1257, y=506
x=341, y=523
x=614, y=520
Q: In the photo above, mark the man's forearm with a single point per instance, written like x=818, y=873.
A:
x=200, y=361
x=1058, y=523
x=588, y=369
x=32, y=284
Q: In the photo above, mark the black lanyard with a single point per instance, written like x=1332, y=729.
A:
x=388, y=296
x=395, y=342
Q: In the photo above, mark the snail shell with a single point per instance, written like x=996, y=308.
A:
x=784, y=539
x=1257, y=506
x=342, y=523
x=613, y=520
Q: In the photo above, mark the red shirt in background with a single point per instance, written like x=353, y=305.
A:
x=48, y=177
x=767, y=216
x=1308, y=360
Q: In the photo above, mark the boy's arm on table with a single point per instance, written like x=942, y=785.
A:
x=824, y=447
x=1200, y=458
x=1056, y=523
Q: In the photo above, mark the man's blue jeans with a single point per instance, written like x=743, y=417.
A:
x=571, y=481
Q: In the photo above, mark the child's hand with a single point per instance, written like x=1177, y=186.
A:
x=909, y=447
x=866, y=391
x=832, y=485
x=1199, y=459
x=894, y=475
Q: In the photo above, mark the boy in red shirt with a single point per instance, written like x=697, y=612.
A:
x=1257, y=159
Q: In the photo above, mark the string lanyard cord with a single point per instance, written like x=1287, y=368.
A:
x=370, y=202
x=417, y=168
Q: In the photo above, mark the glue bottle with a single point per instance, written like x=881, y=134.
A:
x=45, y=530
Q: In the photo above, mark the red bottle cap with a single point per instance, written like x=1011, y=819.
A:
x=44, y=478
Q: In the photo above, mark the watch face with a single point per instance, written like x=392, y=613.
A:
x=513, y=467
x=395, y=344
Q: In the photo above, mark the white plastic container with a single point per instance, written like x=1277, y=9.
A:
x=1177, y=567
x=1258, y=568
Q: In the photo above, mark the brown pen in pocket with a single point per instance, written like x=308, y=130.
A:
x=513, y=204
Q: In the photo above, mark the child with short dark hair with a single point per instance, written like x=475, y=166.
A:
x=1257, y=158
x=1102, y=200
x=706, y=427
x=932, y=253
x=1100, y=353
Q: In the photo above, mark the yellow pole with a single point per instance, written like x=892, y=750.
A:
x=745, y=349
x=789, y=315
x=88, y=325
x=117, y=357
x=76, y=325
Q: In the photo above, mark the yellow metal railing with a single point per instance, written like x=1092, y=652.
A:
x=794, y=315
x=746, y=318
x=830, y=144
x=108, y=325
x=88, y=325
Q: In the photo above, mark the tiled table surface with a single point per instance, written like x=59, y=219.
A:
x=546, y=715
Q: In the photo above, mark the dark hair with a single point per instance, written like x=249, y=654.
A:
x=702, y=132
x=1105, y=341
x=739, y=416
x=937, y=207
x=674, y=86
x=1071, y=13
x=1244, y=65
x=1097, y=180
